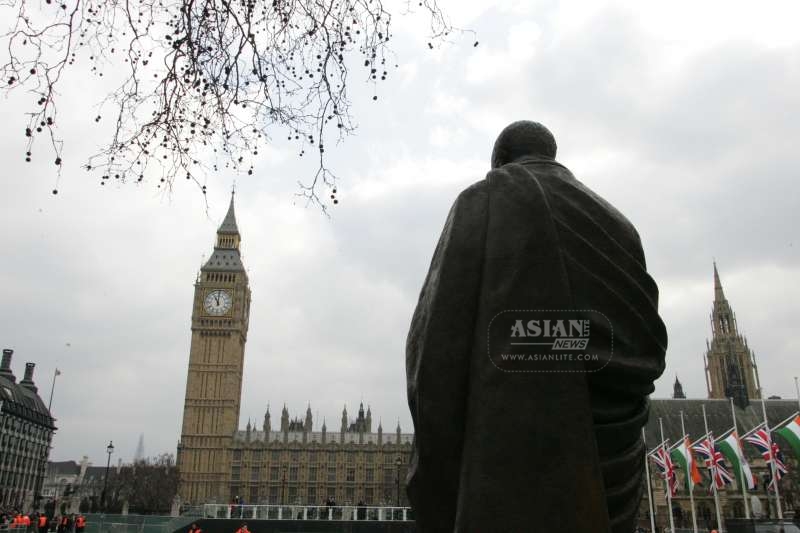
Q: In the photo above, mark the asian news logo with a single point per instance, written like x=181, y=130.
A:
x=550, y=340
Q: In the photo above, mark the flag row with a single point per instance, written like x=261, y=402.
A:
x=724, y=457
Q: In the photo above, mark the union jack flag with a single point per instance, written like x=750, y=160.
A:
x=666, y=468
x=714, y=461
x=760, y=440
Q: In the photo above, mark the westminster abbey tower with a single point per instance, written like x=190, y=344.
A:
x=730, y=366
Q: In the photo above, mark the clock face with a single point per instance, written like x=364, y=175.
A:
x=217, y=302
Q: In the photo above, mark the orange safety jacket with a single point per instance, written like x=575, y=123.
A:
x=42, y=521
x=26, y=520
x=80, y=521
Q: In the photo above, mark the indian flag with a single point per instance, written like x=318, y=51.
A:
x=791, y=432
x=683, y=457
x=731, y=448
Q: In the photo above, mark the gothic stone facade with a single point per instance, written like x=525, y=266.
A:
x=26, y=430
x=220, y=316
x=731, y=370
x=218, y=462
x=731, y=374
x=300, y=466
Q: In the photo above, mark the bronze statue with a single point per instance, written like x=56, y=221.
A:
x=513, y=435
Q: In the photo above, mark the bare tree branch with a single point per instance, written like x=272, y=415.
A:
x=207, y=82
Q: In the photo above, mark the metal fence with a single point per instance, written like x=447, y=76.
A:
x=739, y=526
x=108, y=523
x=308, y=512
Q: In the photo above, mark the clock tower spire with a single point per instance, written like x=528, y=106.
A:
x=220, y=319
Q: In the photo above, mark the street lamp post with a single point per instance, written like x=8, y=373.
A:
x=397, y=463
x=109, y=451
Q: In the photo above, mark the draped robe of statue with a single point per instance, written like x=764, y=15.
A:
x=530, y=452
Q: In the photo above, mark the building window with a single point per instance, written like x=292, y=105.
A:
x=255, y=455
x=237, y=455
x=312, y=495
x=351, y=474
x=295, y=456
x=254, y=495
x=370, y=474
x=351, y=457
x=351, y=494
x=292, y=494
x=273, y=473
x=312, y=473
x=331, y=457
x=293, y=473
x=368, y=495
x=235, y=473
x=254, y=474
x=273, y=494
x=331, y=473
x=370, y=457
x=332, y=493
x=275, y=455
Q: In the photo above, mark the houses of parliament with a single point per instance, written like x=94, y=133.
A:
x=290, y=462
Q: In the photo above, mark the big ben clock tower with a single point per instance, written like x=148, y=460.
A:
x=220, y=316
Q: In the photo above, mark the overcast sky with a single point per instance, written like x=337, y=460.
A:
x=684, y=115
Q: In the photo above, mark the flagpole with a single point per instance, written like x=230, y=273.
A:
x=713, y=468
x=772, y=460
x=782, y=422
x=741, y=468
x=666, y=477
x=753, y=430
x=797, y=391
x=689, y=480
x=647, y=474
x=52, y=389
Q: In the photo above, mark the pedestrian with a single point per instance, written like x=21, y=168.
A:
x=194, y=529
x=80, y=523
x=361, y=513
x=42, y=523
x=64, y=524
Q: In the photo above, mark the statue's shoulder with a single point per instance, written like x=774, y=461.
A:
x=474, y=193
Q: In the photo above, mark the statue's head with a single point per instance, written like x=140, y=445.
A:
x=520, y=139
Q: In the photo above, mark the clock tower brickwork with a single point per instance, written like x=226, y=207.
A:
x=220, y=316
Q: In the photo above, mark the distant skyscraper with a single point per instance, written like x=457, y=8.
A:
x=730, y=366
x=139, y=455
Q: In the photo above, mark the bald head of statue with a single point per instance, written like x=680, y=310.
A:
x=520, y=139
